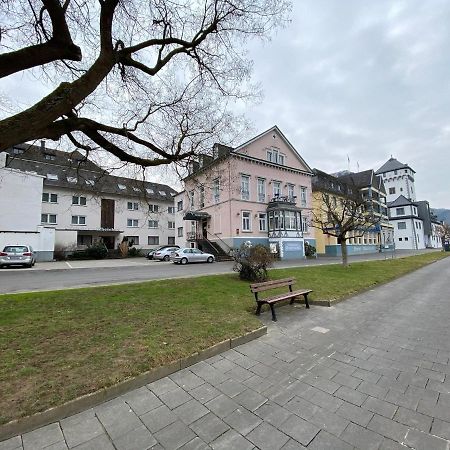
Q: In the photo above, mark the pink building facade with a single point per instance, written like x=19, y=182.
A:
x=258, y=192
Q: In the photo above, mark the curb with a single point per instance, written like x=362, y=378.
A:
x=57, y=413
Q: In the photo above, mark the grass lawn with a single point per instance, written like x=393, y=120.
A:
x=56, y=346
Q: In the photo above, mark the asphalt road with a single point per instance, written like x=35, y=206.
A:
x=50, y=276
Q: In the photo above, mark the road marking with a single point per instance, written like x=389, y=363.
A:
x=70, y=267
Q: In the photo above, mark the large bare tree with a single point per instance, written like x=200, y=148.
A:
x=148, y=81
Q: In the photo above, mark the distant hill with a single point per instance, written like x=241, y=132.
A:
x=442, y=214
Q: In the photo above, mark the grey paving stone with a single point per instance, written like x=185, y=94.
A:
x=413, y=419
x=158, y=418
x=209, y=427
x=374, y=390
x=324, y=371
x=347, y=380
x=98, y=443
x=326, y=441
x=138, y=439
x=430, y=408
x=348, y=369
x=437, y=386
x=42, y=437
x=242, y=421
x=392, y=383
x=331, y=422
x=273, y=413
x=326, y=401
x=61, y=445
x=355, y=414
x=191, y=411
x=231, y=387
x=424, y=441
x=118, y=419
x=250, y=399
x=361, y=438
x=324, y=384
x=350, y=395
x=162, y=386
x=388, y=428
x=293, y=445
x=195, y=444
x=366, y=375
x=412, y=379
x=224, y=365
x=205, y=393
x=231, y=440
x=175, y=398
x=299, y=429
x=209, y=373
x=141, y=400
x=187, y=379
x=302, y=407
x=279, y=394
x=431, y=374
x=439, y=428
x=11, y=444
x=257, y=383
x=222, y=406
x=81, y=428
x=422, y=394
x=267, y=437
x=389, y=444
x=174, y=435
x=380, y=407
x=399, y=399
x=240, y=374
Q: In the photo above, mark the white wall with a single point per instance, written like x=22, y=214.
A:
x=410, y=238
x=401, y=182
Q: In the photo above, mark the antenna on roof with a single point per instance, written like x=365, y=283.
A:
x=357, y=165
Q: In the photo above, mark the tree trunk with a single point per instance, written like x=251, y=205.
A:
x=344, y=252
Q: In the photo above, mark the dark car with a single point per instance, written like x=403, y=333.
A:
x=150, y=254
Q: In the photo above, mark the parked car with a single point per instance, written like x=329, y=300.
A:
x=191, y=255
x=164, y=254
x=150, y=254
x=18, y=255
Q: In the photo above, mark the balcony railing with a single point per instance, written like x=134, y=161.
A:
x=283, y=199
x=194, y=235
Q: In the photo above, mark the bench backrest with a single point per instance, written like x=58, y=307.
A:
x=258, y=287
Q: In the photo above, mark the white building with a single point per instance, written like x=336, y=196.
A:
x=84, y=205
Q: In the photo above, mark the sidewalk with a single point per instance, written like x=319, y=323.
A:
x=370, y=373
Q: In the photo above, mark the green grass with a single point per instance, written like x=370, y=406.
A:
x=56, y=346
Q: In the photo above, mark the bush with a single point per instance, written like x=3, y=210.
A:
x=133, y=251
x=252, y=262
x=310, y=250
x=97, y=251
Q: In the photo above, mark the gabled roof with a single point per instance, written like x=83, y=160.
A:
x=392, y=164
x=358, y=179
x=401, y=200
x=323, y=181
x=286, y=141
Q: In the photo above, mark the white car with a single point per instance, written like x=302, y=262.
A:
x=17, y=255
x=163, y=254
x=191, y=255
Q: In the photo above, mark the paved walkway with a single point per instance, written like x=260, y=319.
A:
x=370, y=373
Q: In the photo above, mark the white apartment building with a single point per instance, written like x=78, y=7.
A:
x=83, y=204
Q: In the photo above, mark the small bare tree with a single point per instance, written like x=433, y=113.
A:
x=341, y=214
x=444, y=232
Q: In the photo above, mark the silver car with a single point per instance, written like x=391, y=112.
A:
x=163, y=254
x=18, y=255
x=191, y=255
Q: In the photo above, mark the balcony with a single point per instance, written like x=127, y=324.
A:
x=193, y=236
x=283, y=199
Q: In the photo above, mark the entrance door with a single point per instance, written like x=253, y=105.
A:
x=205, y=228
x=108, y=241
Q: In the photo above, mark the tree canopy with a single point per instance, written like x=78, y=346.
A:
x=149, y=81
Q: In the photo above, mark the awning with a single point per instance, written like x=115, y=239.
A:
x=196, y=215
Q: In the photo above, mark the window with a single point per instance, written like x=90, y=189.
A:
x=273, y=155
x=72, y=180
x=290, y=192
x=392, y=190
x=153, y=224
x=122, y=187
x=84, y=239
x=281, y=159
x=171, y=240
x=132, y=240
x=395, y=172
x=304, y=224
x=245, y=187
x=202, y=196
x=400, y=239
x=49, y=157
x=406, y=239
x=261, y=190
x=17, y=151
x=216, y=190
x=180, y=205
x=171, y=225
x=262, y=221
x=289, y=219
x=246, y=225
x=90, y=182
x=49, y=198
x=78, y=220
x=48, y=218
x=180, y=231
x=401, y=225
x=135, y=189
x=276, y=189
x=52, y=176
x=192, y=200
x=171, y=210
x=400, y=211
x=303, y=196
x=153, y=208
x=77, y=200
x=162, y=193
x=132, y=223
x=153, y=240
x=150, y=191
x=132, y=206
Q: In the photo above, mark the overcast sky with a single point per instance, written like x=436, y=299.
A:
x=367, y=79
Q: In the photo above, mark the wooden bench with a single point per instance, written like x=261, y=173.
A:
x=292, y=295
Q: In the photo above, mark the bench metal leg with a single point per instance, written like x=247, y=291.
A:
x=258, y=309
x=292, y=300
x=274, y=317
x=306, y=300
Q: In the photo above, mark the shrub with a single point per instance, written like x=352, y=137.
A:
x=310, y=250
x=97, y=251
x=133, y=251
x=252, y=262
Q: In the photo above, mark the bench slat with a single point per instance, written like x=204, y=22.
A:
x=288, y=295
x=259, y=287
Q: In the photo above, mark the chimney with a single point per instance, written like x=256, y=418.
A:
x=3, y=159
x=42, y=145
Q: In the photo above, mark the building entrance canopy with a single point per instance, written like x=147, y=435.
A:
x=196, y=215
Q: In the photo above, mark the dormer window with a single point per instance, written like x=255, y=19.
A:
x=135, y=189
x=90, y=182
x=49, y=157
x=162, y=193
x=52, y=176
x=122, y=187
x=274, y=156
x=72, y=180
x=150, y=191
x=18, y=151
